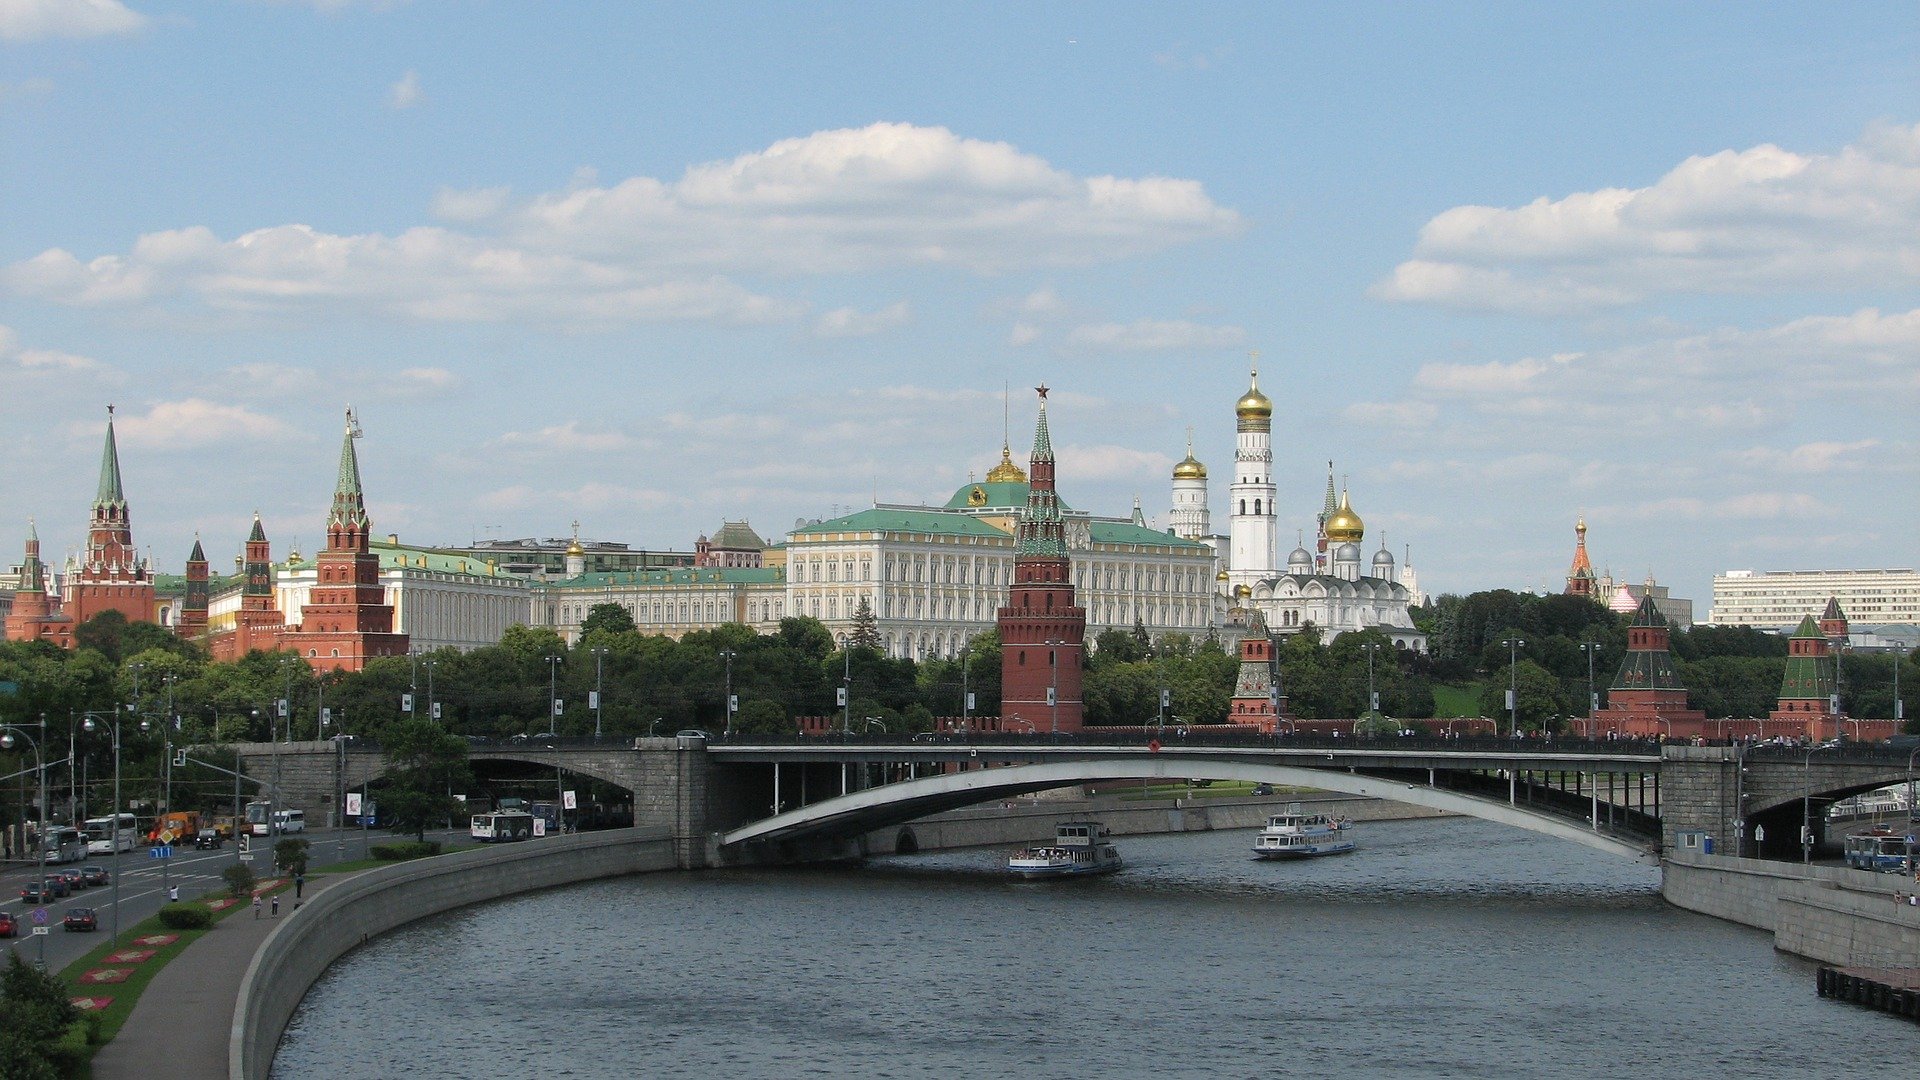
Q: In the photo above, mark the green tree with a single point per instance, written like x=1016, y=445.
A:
x=37, y=1015
x=1538, y=693
x=290, y=855
x=607, y=619
x=423, y=762
x=866, y=627
x=763, y=716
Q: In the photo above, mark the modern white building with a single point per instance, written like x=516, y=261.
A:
x=1778, y=599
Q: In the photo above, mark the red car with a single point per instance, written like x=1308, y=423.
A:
x=81, y=918
x=7, y=926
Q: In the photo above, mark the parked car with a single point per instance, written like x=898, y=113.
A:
x=81, y=918
x=96, y=875
x=208, y=838
x=7, y=926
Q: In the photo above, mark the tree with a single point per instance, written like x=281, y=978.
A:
x=607, y=619
x=423, y=762
x=38, y=1014
x=1539, y=695
x=866, y=628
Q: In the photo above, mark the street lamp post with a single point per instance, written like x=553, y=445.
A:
x=727, y=655
x=1806, y=809
x=1053, y=688
x=553, y=694
x=8, y=734
x=599, y=656
x=113, y=830
x=1593, y=696
x=1373, y=698
x=1513, y=682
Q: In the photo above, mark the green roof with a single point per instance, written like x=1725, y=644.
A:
x=737, y=535
x=1126, y=532
x=994, y=494
x=699, y=575
x=443, y=562
x=930, y=522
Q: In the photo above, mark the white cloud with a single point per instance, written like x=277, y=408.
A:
x=1398, y=414
x=565, y=439
x=1148, y=335
x=848, y=322
x=193, y=422
x=473, y=204
x=1023, y=334
x=1489, y=378
x=889, y=195
x=1108, y=462
x=404, y=94
x=40, y=360
x=37, y=20
x=1734, y=221
x=1811, y=459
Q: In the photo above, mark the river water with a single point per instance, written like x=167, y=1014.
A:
x=1442, y=948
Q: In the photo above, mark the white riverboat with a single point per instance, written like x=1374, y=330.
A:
x=1297, y=835
x=1079, y=849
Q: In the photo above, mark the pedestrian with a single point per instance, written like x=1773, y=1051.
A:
x=256, y=905
x=173, y=894
x=299, y=883
x=276, y=905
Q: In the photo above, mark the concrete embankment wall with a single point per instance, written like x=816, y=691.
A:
x=1832, y=914
x=1025, y=820
x=341, y=916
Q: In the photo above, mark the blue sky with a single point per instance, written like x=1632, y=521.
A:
x=651, y=266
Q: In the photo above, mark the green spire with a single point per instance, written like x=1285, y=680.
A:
x=349, y=505
x=196, y=555
x=1042, y=442
x=1333, y=500
x=256, y=536
x=110, y=493
x=32, y=575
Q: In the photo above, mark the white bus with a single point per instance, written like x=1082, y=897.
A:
x=106, y=835
x=64, y=843
x=284, y=821
x=502, y=825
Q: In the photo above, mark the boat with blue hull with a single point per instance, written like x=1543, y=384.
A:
x=1079, y=849
x=1297, y=835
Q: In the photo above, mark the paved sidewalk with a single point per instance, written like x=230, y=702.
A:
x=183, y=1023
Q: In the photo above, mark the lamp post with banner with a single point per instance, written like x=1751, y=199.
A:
x=9, y=734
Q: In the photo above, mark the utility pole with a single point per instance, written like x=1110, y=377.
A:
x=1513, y=683
x=599, y=655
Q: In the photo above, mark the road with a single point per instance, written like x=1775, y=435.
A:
x=144, y=882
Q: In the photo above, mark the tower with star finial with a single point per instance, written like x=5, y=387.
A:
x=1043, y=629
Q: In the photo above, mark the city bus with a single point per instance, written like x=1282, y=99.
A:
x=106, y=835
x=285, y=820
x=64, y=843
x=1880, y=848
x=501, y=826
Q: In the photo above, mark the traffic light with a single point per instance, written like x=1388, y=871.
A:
x=246, y=843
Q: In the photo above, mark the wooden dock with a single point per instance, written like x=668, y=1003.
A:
x=1893, y=990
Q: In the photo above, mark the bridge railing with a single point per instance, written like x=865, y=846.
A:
x=1205, y=737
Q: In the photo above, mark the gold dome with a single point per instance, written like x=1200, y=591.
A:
x=575, y=548
x=1221, y=576
x=1189, y=469
x=1345, y=526
x=1253, y=405
x=1006, y=472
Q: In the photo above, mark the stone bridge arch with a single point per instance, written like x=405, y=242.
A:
x=847, y=816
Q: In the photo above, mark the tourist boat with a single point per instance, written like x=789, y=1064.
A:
x=1296, y=835
x=1079, y=849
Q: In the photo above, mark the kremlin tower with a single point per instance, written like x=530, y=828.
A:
x=111, y=577
x=1252, y=526
x=1257, y=700
x=192, y=623
x=347, y=619
x=1807, y=691
x=258, y=624
x=1190, y=519
x=1646, y=698
x=1042, y=630
x=32, y=617
x=1580, y=579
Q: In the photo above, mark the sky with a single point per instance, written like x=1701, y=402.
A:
x=650, y=267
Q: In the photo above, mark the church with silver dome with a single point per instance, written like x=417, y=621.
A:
x=1333, y=586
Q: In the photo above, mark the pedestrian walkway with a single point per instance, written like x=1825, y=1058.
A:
x=185, y=1017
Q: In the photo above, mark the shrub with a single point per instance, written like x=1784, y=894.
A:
x=401, y=852
x=291, y=855
x=186, y=917
x=239, y=879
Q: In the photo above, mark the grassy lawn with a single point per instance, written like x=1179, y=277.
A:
x=1456, y=700
x=126, y=994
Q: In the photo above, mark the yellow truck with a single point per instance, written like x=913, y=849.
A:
x=174, y=827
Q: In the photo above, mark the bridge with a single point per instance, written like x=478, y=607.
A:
x=752, y=798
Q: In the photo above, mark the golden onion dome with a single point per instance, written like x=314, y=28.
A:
x=1190, y=469
x=1253, y=405
x=1006, y=472
x=1221, y=576
x=1345, y=526
x=575, y=548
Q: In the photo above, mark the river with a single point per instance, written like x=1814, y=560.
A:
x=1443, y=948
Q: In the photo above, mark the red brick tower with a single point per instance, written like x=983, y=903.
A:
x=1042, y=631
x=346, y=620
x=258, y=624
x=1833, y=623
x=32, y=617
x=1257, y=700
x=1807, y=685
x=111, y=577
x=192, y=623
x=1580, y=579
x=1646, y=698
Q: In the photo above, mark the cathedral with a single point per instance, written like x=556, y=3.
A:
x=1329, y=586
